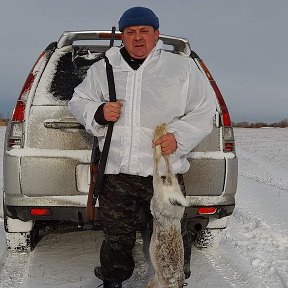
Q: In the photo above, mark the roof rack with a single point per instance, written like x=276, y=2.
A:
x=69, y=37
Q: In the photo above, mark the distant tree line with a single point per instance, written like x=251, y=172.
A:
x=3, y=120
x=244, y=124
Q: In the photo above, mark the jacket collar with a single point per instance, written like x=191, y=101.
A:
x=118, y=62
x=133, y=63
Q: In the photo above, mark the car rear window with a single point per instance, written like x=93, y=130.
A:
x=64, y=71
x=65, y=78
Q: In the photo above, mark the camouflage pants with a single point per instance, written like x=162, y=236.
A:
x=123, y=197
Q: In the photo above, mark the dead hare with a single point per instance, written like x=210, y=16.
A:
x=167, y=207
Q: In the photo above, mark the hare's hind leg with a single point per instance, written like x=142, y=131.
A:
x=160, y=131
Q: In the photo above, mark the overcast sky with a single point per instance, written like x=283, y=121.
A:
x=244, y=43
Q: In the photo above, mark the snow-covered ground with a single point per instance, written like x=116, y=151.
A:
x=253, y=251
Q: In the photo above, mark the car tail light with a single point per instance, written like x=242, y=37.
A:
x=207, y=210
x=17, y=120
x=40, y=211
x=228, y=136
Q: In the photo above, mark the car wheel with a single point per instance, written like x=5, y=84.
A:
x=20, y=235
x=20, y=241
x=208, y=238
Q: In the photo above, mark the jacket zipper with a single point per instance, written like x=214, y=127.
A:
x=132, y=118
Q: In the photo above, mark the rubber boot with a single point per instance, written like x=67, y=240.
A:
x=106, y=283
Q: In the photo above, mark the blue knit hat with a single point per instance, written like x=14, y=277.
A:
x=138, y=16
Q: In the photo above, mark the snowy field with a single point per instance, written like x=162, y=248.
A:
x=253, y=251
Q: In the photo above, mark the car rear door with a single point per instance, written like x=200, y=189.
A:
x=57, y=148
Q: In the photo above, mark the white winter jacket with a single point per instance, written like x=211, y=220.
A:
x=165, y=88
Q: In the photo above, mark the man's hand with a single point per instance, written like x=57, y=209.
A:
x=112, y=111
x=168, y=143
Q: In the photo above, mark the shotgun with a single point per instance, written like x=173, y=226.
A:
x=98, y=160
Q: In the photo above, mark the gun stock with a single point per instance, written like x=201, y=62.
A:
x=91, y=201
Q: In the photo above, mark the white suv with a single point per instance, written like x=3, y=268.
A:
x=47, y=152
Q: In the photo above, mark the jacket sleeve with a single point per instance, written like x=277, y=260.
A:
x=197, y=121
x=86, y=99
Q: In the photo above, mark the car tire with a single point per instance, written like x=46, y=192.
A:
x=20, y=241
x=208, y=238
x=20, y=235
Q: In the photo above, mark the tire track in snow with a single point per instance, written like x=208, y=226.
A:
x=13, y=269
x=262, y=246
x=259, y=169
x=229, y=271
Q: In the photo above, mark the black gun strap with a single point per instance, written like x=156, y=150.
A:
x=110, y=79
x=104, y=154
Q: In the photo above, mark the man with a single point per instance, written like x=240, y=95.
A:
x=152, y=87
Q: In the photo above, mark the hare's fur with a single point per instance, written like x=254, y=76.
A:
x=167, y=207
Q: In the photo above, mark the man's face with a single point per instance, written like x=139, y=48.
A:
x=139, y=40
